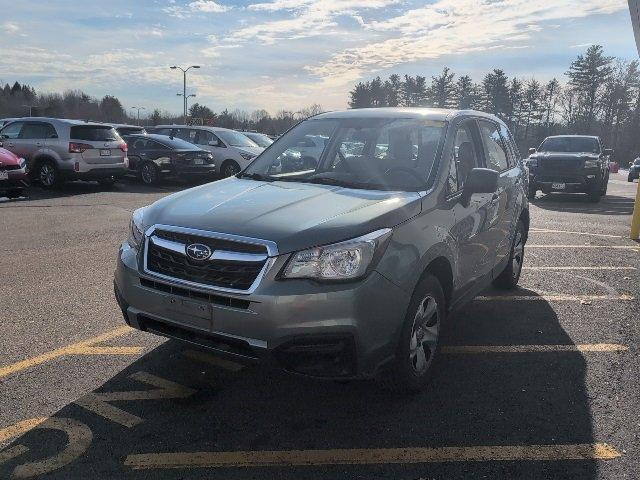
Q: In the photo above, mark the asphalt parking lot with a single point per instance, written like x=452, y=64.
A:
x=541, y=384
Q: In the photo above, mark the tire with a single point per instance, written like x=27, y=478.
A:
x=47, y=174
x=595, y=195
x=15, y=193
x=629, y=178
x=229, y=168
x=149, y=173
x=107, y=182
x=605, y=187
x=419, y=340
x=508, y=278
x=531, y=192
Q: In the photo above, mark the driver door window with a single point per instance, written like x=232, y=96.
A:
x=12, y=130
x=464, y=158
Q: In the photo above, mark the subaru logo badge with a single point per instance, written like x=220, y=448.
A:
x=198, y=251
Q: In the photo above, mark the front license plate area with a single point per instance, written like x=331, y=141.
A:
x=188, y=310
x=105, y=152
x=198, y=161
x=558, y=186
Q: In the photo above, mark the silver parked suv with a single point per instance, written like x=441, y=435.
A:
x=57, y=149
x=347, y=266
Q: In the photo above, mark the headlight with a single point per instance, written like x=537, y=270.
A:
x=339, y=261
x=136, y=229
x=22, y=163
x=247, y=156
x=592, y=163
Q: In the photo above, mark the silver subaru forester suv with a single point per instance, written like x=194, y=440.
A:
x=344, y=266
x=59, y=149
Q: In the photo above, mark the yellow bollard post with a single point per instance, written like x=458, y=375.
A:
x=635, y=219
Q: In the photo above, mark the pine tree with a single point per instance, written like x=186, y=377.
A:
x=496, y=93
x=442, y=90
x=465, y=94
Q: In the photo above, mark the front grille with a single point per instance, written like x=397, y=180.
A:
x=559, y=178
x=560, y=164
x=9, y=167
x=235, y=274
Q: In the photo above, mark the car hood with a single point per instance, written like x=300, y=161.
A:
x=294, y=215
x=8, y=158
x=251, y=150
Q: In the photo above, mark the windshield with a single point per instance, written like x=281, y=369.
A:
x=235, y=139
x=260, y=139
x=376, y=154
x=570, y=144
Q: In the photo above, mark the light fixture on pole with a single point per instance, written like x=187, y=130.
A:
x=186, y=100
x=138, y=108
x=184, y=85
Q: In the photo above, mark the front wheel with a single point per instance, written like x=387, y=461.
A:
x=149, y=173
x=605, y=185
x=509, y=277
x=229, y=168
x=418, y=345
x=595, y=195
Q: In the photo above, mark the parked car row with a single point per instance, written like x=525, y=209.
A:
x=53, y=150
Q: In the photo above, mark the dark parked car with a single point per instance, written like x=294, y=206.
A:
x=634, y=170
x=153, y=157
x=14, y=178
x=347, y=269
x=123, y=129
x=569, y=163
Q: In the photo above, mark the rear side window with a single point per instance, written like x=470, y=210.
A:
x=12, y=130
x=94, y=133
x=38, y=130
x=512, y=148
x=495, y=151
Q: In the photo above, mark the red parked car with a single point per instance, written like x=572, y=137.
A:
x=13, y=174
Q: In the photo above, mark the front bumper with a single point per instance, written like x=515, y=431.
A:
x=327, y=330
x=583, y=181
x=17, y=180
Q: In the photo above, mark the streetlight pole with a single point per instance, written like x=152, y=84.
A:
x=184, y=86
x=138, y=108
x=186, y=100
x=30, y=107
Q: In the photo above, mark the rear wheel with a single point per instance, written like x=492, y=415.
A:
x=509, y=277
x=47, y=174
x=229, y=168
x=149, y=173
x=629, y=178
x=418, y=345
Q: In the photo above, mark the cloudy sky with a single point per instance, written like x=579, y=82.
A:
x=276, y=54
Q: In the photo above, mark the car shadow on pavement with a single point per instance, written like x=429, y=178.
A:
x=480, y=399
x=579, y=203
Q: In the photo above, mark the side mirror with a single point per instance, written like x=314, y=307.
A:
x=608, y=151
x=479, y=180
x=532, y=151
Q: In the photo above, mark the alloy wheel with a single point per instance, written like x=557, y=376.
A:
x=424, y=335
x=148, y=174
x=47, y=175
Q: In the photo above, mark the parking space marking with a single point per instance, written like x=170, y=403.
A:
x=548, y=230
x=553, y=297
x=589, y=347
x=616, y=247
x=372, y=456
x=98, y=402
x=213, y=360
x=20, y=428
x=85, y=347
x=579, y=268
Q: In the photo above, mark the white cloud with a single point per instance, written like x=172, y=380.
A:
x=310, y=18
x=10, y=27
x=197, y=6
x=453, y=27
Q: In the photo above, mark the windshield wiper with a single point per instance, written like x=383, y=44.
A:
x=257, y=176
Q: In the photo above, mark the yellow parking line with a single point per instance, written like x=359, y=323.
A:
x=19, y=428
x=372, y=456
x=81, y=348
x=617, y=247
x=589, y=347
x=623, y=297
x=213, y=360
x=579, y=268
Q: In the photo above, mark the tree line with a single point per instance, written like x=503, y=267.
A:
x=19, y=100
x=601, y=96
